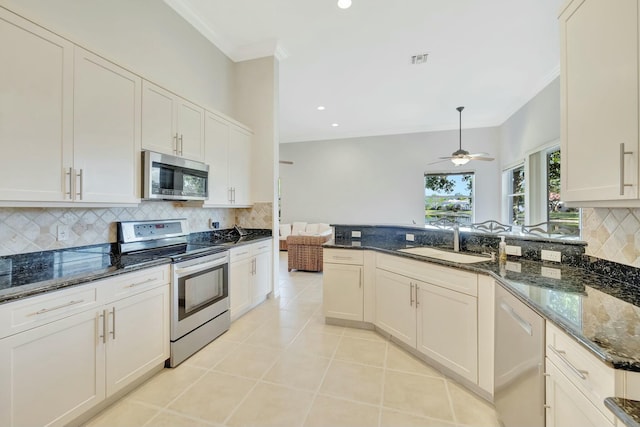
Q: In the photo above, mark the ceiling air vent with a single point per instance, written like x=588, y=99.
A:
x=419, y=59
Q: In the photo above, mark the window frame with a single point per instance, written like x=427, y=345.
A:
x=536, y=171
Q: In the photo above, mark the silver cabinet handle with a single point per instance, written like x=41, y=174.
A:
x=133, y=285
x=360, y=278
x=104, y=326
x=175, y=144
x=81, y=186
x=113, y=324
x=68, y=190
x=229, y=194
x=410, y=294
x=57, y=307
x=622, y=183
x=561, y=354
x=416, y=289
x=181, y=145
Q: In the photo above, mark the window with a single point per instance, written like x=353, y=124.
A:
x=515, y=178
x=558, y=215
x=449, y=195
x=533, y=195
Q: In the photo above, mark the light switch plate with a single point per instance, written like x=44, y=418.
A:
x=551, y=255
x=514, y=250
x=356, y=234
x=410, y=237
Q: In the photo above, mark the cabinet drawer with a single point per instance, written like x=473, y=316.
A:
x=591, y=376
x=136, y=282
x=450, y=278
x=42, y=309
x=342, y=256
x=237, y=254
x=261, y=247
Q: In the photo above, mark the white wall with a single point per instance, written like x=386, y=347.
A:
x=145, y=36
x=536, y=124
x=380, y=179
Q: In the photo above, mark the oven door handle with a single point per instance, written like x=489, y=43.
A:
x=200, y=267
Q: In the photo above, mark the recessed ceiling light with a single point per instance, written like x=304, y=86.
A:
x=344, y=4
x=320, y=107
x=335, y=125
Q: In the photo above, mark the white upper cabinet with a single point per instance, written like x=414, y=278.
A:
x=36, y=111
x=599, y=102
x=227, y=151
x=171, y=124
x=106, y=129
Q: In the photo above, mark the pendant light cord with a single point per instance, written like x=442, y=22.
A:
x=460, y=127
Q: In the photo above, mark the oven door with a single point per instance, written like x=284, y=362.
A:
x=200, y=292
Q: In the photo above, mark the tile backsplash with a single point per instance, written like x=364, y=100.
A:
x=35, y=229
x=612, y=234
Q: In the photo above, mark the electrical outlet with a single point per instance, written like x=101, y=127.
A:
x=514, y=250
x=62, y=232
x=356, y=234
x=410, y=237
x=553, y=273
x=551, y=256
x=355, y=243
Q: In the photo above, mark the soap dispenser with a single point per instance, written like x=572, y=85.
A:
x=502, y=250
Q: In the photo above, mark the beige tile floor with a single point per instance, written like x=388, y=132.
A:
x=280, y=365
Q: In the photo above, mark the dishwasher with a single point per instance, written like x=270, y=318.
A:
x=519, y=380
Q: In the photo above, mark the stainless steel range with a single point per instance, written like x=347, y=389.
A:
x=199, y=286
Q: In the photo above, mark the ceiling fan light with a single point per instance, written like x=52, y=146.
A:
x=459, y=161
x=344, y=4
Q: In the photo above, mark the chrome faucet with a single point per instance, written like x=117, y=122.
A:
x=456, y=237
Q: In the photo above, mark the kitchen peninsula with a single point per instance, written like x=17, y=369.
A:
x=592, y=302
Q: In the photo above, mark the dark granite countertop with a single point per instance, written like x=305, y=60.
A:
x=33, y=273
x=599, y=311
x=628, y=411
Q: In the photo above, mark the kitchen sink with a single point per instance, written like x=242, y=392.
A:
x=446, y=255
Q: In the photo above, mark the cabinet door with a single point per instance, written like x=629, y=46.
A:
x=599, y=99
x=566, y=405
x=137, y=336
x=106, y=129
x=262, y=276
x=36, y=112
x=395, y=306
x=240, y=165
x=342, y=291
x=216, y=155
x=448, y=329
x=240, y=286
x=158, y=120
x=190, y=130
x=53, y=373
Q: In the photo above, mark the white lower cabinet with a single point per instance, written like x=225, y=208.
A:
x=53, y=373
x=342, y=291
x=343, y=284
x=395, y=309
x=55, y=370
x=137, y=336
x=438, y=322
x=448, y=328
x=249, y=276
x=566, y=405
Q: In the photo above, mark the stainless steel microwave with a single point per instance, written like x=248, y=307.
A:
x=167, y=177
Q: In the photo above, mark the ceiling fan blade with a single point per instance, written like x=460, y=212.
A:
x=447, y=158
x=444, y=159
x=479, y=155
x=486, y=159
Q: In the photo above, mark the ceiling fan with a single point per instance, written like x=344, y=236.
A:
x=460, y=156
